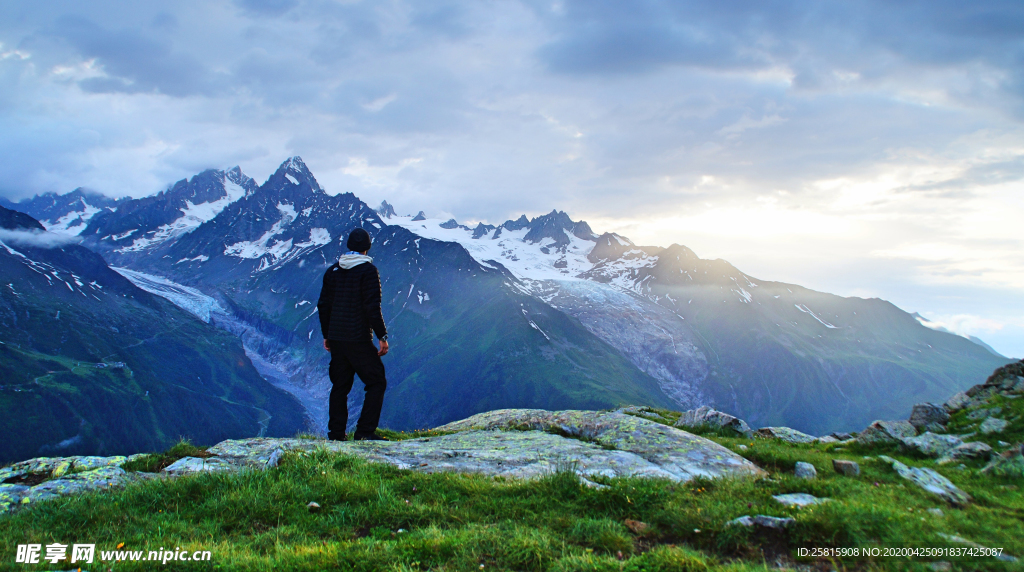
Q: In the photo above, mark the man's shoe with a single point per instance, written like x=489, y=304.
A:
x=370, y=437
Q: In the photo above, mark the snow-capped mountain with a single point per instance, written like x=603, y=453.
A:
x=91, y=364
x=263, y=259
x=143, y=225
x=770, y=352
x=67, y=214
x=540, y=312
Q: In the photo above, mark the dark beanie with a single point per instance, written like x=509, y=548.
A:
x=358, y=240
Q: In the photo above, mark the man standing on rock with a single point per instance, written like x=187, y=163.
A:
x=349, y=309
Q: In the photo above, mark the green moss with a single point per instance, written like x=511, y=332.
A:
x=156, y=462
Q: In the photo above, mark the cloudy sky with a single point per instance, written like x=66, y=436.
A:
x=861, y=148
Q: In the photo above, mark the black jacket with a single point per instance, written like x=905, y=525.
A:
x=349, y=304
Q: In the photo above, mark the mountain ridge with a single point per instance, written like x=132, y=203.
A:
x=680, y=329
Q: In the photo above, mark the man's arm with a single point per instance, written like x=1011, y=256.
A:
x=323, y=306
x=371, y=301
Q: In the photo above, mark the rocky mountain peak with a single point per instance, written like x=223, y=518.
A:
x=385, y=210
x=610, y=246
x=518, y=224
x=554, y=226
x=236, y=176
x=295, y=173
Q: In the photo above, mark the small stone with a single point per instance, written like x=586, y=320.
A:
x=799, y=499
x=993, y=425
x=846, y=468
x=957, y=402
x=805, y=470
x=936, y=512
x=1003, y=444
x=761, y=520
x=925, y=414
x=941, y=566
x=741, y=447
x=313, y=507
x=972, y=450
x=827, y=439
x=842, y=436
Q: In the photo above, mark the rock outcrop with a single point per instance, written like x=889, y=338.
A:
x=929, y=417
x=514, y=443
x=680, y=454
x=44, y=478
x=708, y=417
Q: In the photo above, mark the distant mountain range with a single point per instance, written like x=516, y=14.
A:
x=540, y=312
x=91, y=364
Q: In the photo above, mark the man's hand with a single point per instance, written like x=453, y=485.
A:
x=383, y=348
x=327, y=345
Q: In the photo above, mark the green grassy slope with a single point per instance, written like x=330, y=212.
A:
x=376, y=517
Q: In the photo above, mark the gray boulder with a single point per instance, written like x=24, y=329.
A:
x=929, y=417
x=957, y=402
x=785, y=434
x=993, y=425
x=846, y=468
x=805, y=471
x=973, y=450
x=931, y=481
x=886, y=432
x=706, y=416
x=932, y=445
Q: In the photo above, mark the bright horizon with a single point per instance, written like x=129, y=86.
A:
x=857, y=149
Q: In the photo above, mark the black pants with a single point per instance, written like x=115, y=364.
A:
x=360, y=358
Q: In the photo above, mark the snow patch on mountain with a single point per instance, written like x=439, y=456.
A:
x=74, y=222
x=192, y=215
x=525, y=260
x=803, y=308
x=253, y=249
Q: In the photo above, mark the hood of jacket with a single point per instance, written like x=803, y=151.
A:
x=348, y=261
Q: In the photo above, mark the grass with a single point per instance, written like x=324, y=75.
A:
x=156, y=462
x=377, y=517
